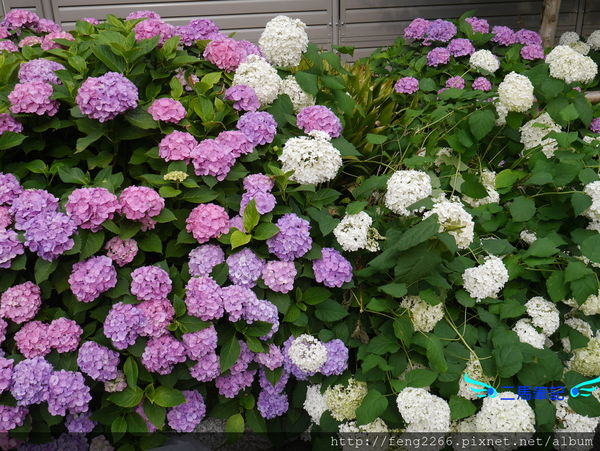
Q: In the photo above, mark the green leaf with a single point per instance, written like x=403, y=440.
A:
x=141, y=118
x=372, y=406
x=346, y=148
x=580, y=202
x=235, y=424
x=383, y=344
x=555, y=285
x=591, y=248
x=396, y=290
x=43, y=269
x=569, y=113
x=481, y=123
x=118, y=427
x=130, y=397
x=542, y=247
x=522, y=209
x=330, y=311
x=315, y=295
x=497, y=246
x=9, y=140
x=308, y=82
x=435, y=353
x=131, y=371
x=420, y=378
x=509, y=360
x=251, y=216
x=239, y=239
x=193, y=324
x=472, y=187
x=92, y=243
x=265, y=231
x=156, y=414
x=200, y=195
x=168, y=397
x=165, y=215
x=376, y=139
x=230, y=351
x=114, y=62
x=460, y=408
x=168, y=192
x=135, y=423
x=151, y=242
x=403, y=329
x=73, y=175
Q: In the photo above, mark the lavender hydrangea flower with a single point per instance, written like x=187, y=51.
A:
x=417, y=29
x=12, y=417
x=10, y=247
x=532, y=52
x=142, y=14
x=262, y=310
x=97, y=361
x=437, y=56
x=231, y=385
x=158, y=313
x=90, y=207
x=318, y=117
x=279, y=276
x=200, y=343
x=33, y=97
x=177, y=146
x=503, y=35
x=266, y=384
x=259, y=127
x=204, y=258
x=207, y=369
x=264, y=202
x=455, y=82
x=21, y=303
x=236, y=143
x=272, y=405
x=478, y=25
x=337, y=358
x=197, y=30
x=203, y=298
x=441, y=30
x=30, y=41
x=595, y=125
x=8, y=46
x=211, y=158
x=482, y=84
x=10, y=189
x=207, y=221
x=185, y=417
x=123, y=324
x=47, y=26
x=67, y=391
x=163, y=353
x=20, y=18
x=258, y=183
x=32, y=340
x=9, y=124
x=460, y=47
x=30, y=381
x=528, y=37
x=91, y=20
x=105, y=97
x=293, y=239
x=31, y=203
x=49, y=41
x=79, y=423
x=245, y=268
x=64, y=334
x=244, y=359
x=121, y=251
x=149, y=28
x=150, y=283
x=92, y=277
x=272, y=359
x=49, y=235
x=332, y=269
x=407, y=85
x=40, y=70
x=167, y=110
x=6, y=370
x=140, y=203
x=244, y=98
x=235, y=299
x=5, y=219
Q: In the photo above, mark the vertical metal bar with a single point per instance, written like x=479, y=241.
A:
x=581, y=8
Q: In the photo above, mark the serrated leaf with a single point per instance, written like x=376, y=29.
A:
x=372, y=406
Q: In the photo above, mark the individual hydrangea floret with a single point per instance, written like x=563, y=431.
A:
x=97, y=361
x=406, y=187
x=515, y=92
x=49, y=235
x=259, y=127
x=104, y=98
x=150, y=28
x=200, y=343
x=40, y=70
x=293, y=239
x=321, y=118
x=211, y=158
x=177, y=146
x=482, y=84
x=32, y=339
x=158, y=313
x=300, y=98
x=10, y=246
x=407, y=85
x=204, y=298
x=207, y=369
x=33, y=97
x=257, y=73
x=64, y=334
x=207, y=221
x=485, y=280
x=123, y=324
x=92, y=277
x=185, y=417
x=21, y=303
x=163, y=353
x=332, y=269
x=437, y=56
x=90, y=207
x=225, y=53
x=244, y=98
x=67, y=391
x=460, y=47
x=484, y=60
x=150, y=283
x=503, y=35
x=140, y=203
x=279, y=276
x=30, y=381
x=245, y=268
x=167, y=110
x=121, y=251
x=9, y=124
x=204, y=258
x=283, y=41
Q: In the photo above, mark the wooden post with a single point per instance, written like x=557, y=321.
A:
x=549, y=22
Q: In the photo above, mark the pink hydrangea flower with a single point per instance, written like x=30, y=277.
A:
x=32, y=339
x=104, y=98
x=318, y=117
x=121, y=251
x=163, y=353
x=279, y=276
x=225, y=53
x=20, y=18
x=210, y=158
x=49, y=43
x=159, y=314
x=142, y=14
x=207, y=221
x=140, y=203
x=407, y=85
x=21, y=303
x=167, y=110
x=150, y=283
x=177, y=146
x=204, y=298
x=30, y=41
x=236, y=142
x=33, y=97
x=149, y=28
x=90, y=207
x=64, y=335
x=47, y=26
x=8, y=46
x=92, y=277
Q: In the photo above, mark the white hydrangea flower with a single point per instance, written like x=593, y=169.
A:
x=569, y=421
x=534, y=131
x=485, y=280
x=488, y=180
x=373, y=237
x=424, y=316
x=502, y=112
x=587, y=360
x=442, y=156
x=528, y=334
x=283, y=41
x=544, y=314
x=568, y=37
x=466, y=426
x=475, y=371
x=591, y=306
x=515, y=92
x=314, y=403
x=423, y=411
x=300, y=99
x=593, y=40
x=502, y=415
x=580, y=326
x=377, y=425
x=571, y=66
x=593, y=211
x=484, y=59
x=343, y=401
x=454, y=219
x=312, y=158
x=580, y=47
x=357, y=435
x=257, y=73
x=175, y=176
x=307, y=353
x=352, y=233
x=405, y=188
x=527, y=236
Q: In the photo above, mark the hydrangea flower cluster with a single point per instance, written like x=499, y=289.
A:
x=90, y=278
x=207, y=221
x=90, y=207
x=293, y=239
x=33, y=97
x=283, y=41
x=121, y=251
x=151, y=27
x=258, y=188
x=332, y=269
x=140, y=203
x=259, y=127
x=211, y=158
x=405, y=188
x=167, y=110
x=40, y=70
x=258, y=74
x=244, y=98
x=104, y=98
x=320, y=118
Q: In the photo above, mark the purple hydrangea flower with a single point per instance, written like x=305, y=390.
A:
x=142, y=14
x=455, y=82
x=272, y=405
x=437, y=56
x=250, y=48
x=225, y=53
x=10, y=189
x=259, y=127
x=33, y=97
x=47, y=26
x=200, y=343
x=478, y=25
x=30, y=381
x=163, y=353
x=149, y=28
x=150, y=283
x=5, y=219
x=207, y=221
x=31, y=203
x=211, y=158
x=279, y=276
x=80, y=423
x=235, y=299
x=203, y=298
x=92, y=277
x=123, y=324
x=528, y=37
x=264, y=202
x=532, y=52
x=8, y=46
x=235, y=142
x=40, y=70
x=293, y=239
x=167, y=110
x=9, y=124
x=272, y=359
x=407, y=85
x=503, y=35
x=97, y=361
x=441, y=30
x=595, y=125
x=231, y=385
x=121, y=251
x=90, y=207
x=207, y=369
x=197, y=30
x=332, y=269
x=482, y=84
x=67, y=391
x=460, y=47
x=245, y=268
x=244, y=98
x=204, y=258
x=318, y=117
x=91, y=20
x=140, y=203
x=417, y=29
x=32, y=340
x=337, y=358
x=262, y=310
x=159, y=313
x=10, y=247
x=4, y=33
x=21, y=303
x=49, y=43
x=266, y=384
x=177, y=146
x=258, y=183
x=20, y=18
x=49, y=235
x=6, y=370
x=105, y=97
x=64, y=334
x=185, y=417
x=244, y=359
x=237, y=222
x=12, y=417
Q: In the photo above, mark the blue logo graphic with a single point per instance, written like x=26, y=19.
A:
x=488, y=389
x=577, y=390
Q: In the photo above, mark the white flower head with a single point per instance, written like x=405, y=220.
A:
x=544, y=314
x=314, y=403
x=503, y=415
x=484, y=59
x=343, y=401
x=257, y=73
x=405, y=188
x=515, y=92
x=307, y=353
x=591, y=306
x=580, y=47
x=593, y=40
x=423, y=411
x=488, y=180
x=352, y=233
x=485, y=280
x=569, y=421
x=528, y=334
x=593, y=211
x=502, y=112
x=571, y=66
x=587, y=360
x=475, y=371
x=534, y=132
x=283, y=41
x=300, y=99
x=454, y=219
x=424, y=316
x=527, y=236
x=568, y=37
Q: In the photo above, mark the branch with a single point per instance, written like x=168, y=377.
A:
x=549, y=22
